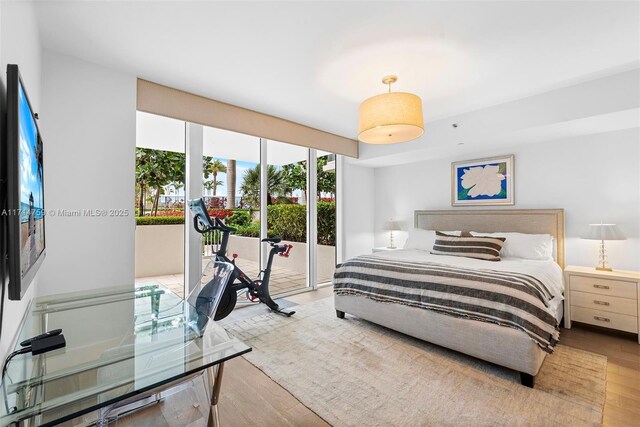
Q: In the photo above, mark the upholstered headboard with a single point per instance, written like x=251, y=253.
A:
x=531, y=221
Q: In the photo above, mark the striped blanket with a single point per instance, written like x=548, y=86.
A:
x=508, y=299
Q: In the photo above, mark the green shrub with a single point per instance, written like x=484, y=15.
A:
x=159, y=220
x=288, y=222
x=251, y=230
x=238, y=219
x=283, y=200
x=327, y=223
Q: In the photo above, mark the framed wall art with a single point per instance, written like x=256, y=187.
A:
x=483, y=182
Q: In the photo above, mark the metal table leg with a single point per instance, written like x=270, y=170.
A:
x=215, y=381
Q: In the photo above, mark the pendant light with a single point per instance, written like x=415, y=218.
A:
x=390, y=118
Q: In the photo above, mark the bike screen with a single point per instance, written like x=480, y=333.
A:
x=199, y=212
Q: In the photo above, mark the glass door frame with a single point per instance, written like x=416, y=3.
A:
x=193, y=189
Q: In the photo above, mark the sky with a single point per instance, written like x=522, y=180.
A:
x=30, y=179
x=241, y=167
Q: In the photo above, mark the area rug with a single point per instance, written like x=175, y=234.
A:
x=354, y=373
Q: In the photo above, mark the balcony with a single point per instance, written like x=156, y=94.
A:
x=160, y=258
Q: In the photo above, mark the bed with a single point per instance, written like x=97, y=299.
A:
x=496, y=343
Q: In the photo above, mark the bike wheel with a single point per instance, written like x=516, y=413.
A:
x=227, y=304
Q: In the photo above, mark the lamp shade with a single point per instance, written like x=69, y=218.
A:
x=392, y=225
x=603, y=232
x=390, y=118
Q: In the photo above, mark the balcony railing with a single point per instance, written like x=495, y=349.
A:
x=211, y=243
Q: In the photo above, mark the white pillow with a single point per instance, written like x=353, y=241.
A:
x=424, y=239
x=521, y=245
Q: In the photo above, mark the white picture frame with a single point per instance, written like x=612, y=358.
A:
x=483, y=182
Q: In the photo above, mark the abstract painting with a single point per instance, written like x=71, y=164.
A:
x=482, y=182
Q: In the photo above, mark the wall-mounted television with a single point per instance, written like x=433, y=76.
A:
x=24, y=186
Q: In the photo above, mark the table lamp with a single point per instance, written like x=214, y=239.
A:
x=391, y=226
x=603, y=232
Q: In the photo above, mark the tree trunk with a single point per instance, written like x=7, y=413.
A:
x=215, y=183
x=155, y=202
x=303, y=200
x=141, y=201
x=231, y=184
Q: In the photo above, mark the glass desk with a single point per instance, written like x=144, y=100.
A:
x=123, y=345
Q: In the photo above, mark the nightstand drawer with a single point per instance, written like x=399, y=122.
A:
x=605, y=303
x=596, y=285
x=602, y=318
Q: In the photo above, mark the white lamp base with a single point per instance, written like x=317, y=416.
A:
x=391, y=245
x=603, y=265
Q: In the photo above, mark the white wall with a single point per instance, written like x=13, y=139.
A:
x=594, y=178
x=357, y=200
x=20, y=44
x=89, y=114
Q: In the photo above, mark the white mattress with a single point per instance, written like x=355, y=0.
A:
x=548, y=272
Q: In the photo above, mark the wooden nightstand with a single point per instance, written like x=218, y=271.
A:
x=602, y=298
x=382, y=249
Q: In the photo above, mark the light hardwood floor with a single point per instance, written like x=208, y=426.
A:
x=622, y=407
x=250, y=398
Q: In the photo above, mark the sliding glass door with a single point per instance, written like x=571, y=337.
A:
x=231, y=190
x=159, y=205
x=260, y=187
x=286, y=213
x=326, y=217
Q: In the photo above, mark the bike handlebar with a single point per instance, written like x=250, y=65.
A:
x=222, y=226
x=284, y=250
x=201, y=227
x=202, y=222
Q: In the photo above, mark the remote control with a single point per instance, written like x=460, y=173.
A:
x=52, y=333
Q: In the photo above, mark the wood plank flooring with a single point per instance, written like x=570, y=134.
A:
x=622, y=407
x=251, y=398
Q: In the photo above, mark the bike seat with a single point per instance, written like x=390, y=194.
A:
x=272, y=240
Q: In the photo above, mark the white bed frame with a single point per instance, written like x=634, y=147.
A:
x=497, y=344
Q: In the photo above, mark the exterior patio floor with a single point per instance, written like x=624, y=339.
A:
x=282, y=280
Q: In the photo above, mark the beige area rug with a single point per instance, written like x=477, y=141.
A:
x=354, y=373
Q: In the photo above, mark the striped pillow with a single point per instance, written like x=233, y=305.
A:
x=485, y=248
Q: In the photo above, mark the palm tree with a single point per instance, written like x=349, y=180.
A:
x=213, y=168
x=250, y=186
x=231, y=184
x=212, y=185
x=154, y=170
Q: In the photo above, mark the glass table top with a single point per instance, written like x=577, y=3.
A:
x=121, y=342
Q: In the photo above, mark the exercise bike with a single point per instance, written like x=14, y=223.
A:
x=256, y=290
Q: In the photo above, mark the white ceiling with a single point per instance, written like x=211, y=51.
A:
x=314, y=62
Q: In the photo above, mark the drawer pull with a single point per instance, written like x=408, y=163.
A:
x=601, y=286
x=595, y=301
x=602, y=319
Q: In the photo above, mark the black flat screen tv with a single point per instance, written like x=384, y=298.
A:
x=24, y=186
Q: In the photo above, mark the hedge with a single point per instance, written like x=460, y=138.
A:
x=251, y=230
x=177, y=217
x=290, y=222
x=159, y=220
x=239, y=219
x=286, y=221
x=327, y=223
